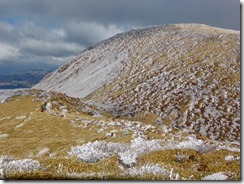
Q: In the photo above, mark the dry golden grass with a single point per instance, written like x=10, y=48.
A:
x=196, y=165
x=41, y=131
x=55, y=135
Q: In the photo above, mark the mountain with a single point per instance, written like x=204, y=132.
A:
x=186, y=76
x=22, y=79
x=158, y=103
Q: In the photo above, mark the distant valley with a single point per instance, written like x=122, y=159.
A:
x=22, y=79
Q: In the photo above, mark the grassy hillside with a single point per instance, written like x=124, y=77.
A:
x=182, y=75
x=71, y=141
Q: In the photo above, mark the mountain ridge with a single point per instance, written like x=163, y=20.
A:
x=104, y=42
x=185, y=75
x=159, y=103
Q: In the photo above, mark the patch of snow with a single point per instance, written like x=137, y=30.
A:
x=140, y=145
x=196, y=144
x=21, y=117
x=8, y=164
x=1, y=174
x=229, y=158
x=5, y=94
x=114, y=131
x=19, y=125
x=42, y=152
x=128, y=154
x=64, y=112
x=96, y=151
x=3, y=135
x=100, y=130
x=84, y=175
x=180, y=158
x=8, y=117
x=228, y=147
x=216, y=176
x=128, y=158
x=148, y=168
x=63, y=107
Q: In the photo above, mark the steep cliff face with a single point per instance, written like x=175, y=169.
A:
x=183, y=75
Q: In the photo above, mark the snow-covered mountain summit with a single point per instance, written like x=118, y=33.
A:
x=183, y=75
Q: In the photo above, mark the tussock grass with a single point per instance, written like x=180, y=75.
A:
x=195, y=165
x=53, y=136
x=41, y=131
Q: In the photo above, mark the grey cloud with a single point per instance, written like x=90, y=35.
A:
x=14, y=33
x=36, y=39
x=8, y=33
x=52, y=31
x=220, y=13
x=33, y=31
x=8, y=52
x=46, y=48
x=88, y=33
x=28, y=43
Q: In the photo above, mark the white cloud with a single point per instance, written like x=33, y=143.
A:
x=49, y=48
x=60, y=33
x=28, y=43
x=91, y=32
x=8, y=52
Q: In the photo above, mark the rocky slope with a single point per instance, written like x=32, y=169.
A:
x=183, y=76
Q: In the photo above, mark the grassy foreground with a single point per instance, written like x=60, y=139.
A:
x=28, y=133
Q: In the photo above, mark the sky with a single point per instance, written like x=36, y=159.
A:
x=48, y=33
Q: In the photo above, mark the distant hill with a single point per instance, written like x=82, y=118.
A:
x=22, y=80
x=183, y=75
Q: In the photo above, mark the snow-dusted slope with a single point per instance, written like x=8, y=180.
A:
x=93, y=68
x=6, y=94
x=187, y=75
